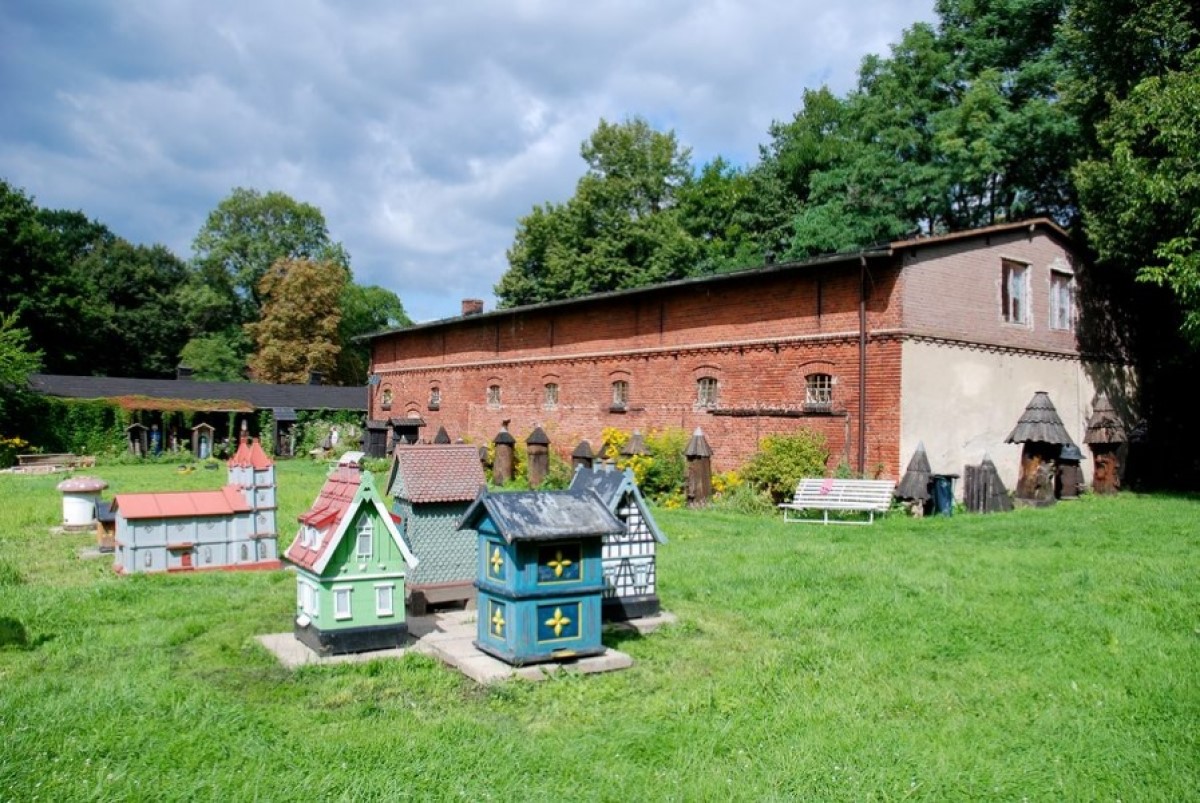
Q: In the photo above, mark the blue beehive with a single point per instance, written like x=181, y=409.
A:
x=540, y=577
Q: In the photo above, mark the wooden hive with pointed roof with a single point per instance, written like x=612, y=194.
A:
x=430, y=487
x=351, y=564
x=1043, y=436
x=1105, y=435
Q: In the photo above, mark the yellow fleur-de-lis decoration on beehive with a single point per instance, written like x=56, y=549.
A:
x=558, y=621
x=559, y=563
x=498, y=622
x=497, y=561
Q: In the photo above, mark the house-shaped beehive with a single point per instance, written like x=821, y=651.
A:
x=351, y=564
x=629, y=556
x=431, y=487
x=231, y=528
x=540, y=577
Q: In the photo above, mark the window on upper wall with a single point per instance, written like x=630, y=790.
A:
x=435, y=398
x=620, y=393
x=818, y=391
x=493, y=396
x=385, y=399
x=1014, y=291
x=550, y=396
x=366, y=531
x=1062, y=301
x=706, y=391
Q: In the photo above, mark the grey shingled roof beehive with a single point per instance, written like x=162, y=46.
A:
x=1039, y=423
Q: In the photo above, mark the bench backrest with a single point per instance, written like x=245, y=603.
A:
x=845, y=494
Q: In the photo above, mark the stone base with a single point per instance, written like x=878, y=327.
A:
x=357, y=639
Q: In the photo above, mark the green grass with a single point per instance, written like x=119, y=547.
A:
x=1042, y=654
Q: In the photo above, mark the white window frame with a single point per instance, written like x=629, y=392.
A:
x=388, y=589
x=365, y=530
x=309, y=599
x=818, y=389
x=1014, y=292
x=1062, y=301
x=707, y=389
x=343, y=594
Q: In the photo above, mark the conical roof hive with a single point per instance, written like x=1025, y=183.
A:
x=1104, y=426
x=915, y=482
x=1039, y=423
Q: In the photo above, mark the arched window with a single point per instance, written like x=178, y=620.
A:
x=550, y=396
x=818, y=391
x=385, y=399
x=245, y=551
x=435, y=398
x=706, y=391
x=493, y=395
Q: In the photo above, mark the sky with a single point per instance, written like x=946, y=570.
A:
x=422, y=131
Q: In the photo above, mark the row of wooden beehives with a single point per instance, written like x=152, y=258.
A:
x=575, y=556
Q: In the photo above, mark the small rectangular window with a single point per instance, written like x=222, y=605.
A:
x=341, y=603
x=1014, y=291
x=435, y=398
x=550, y=398
x=620, y=393
x=818, y=391
x=1062, y=302
x=706, y=392
x=365, y=540
x=493, y=396
x=383, y=600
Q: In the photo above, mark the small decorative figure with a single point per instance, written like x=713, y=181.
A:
x=155, y=440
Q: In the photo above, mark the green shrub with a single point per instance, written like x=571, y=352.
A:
x=783, y=460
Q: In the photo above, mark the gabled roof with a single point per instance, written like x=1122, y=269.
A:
x=613, y=488
x=347, y=489
x=435, y=473
x=233, y=396
x=250, y=455
x=881, y=251
x=180, y=504
x=542, y=515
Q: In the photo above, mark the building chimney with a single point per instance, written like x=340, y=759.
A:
x=183, y=372
x=316, y=377
x=472, y=306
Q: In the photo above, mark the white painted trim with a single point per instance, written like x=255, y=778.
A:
x=349, y=591
x=391, y=609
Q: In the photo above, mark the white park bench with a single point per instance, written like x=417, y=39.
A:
x=840, y=496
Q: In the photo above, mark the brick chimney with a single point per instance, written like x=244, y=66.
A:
x=472, y=306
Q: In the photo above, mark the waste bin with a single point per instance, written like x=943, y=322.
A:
x=943, y=494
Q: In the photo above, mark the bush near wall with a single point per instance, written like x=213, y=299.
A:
x=81, y=426
x=783, y=460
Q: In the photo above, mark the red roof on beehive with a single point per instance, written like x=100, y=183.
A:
x=181, y=504
x=335, y=497
x=436, y=473
x=250, y=456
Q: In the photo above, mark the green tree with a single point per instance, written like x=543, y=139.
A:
x=18, y=359
x=621, y=229
x=249, y=232
x=298, y=330
x=217, y=357
x=1141, y=194
x=364, y=310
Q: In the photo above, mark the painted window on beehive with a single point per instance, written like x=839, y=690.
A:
x=560, y=563
x=384, y=596
x=341, y=602
x=366, y=537
x=558, y=622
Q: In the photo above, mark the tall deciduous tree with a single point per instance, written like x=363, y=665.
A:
x=298, y=330
x=364, y=310
x=621, y=229
x=249, y=232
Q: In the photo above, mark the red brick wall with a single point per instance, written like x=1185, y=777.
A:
x=758, y=335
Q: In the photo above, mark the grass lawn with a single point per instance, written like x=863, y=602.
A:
x=1041, y=654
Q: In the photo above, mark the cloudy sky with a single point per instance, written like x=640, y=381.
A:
x=423, y=131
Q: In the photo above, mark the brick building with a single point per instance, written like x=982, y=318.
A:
x=940, y=339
